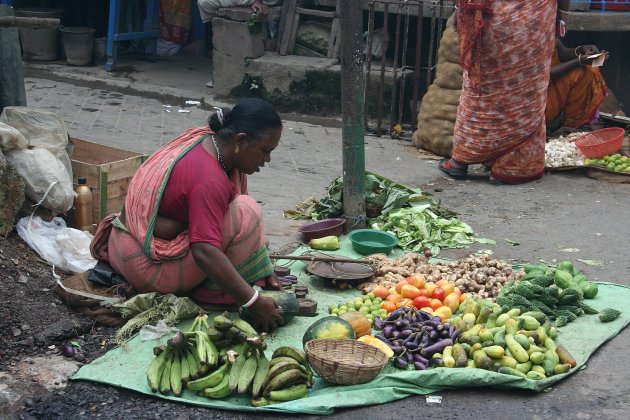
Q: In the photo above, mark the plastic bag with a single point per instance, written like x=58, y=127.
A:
x=42, y=129
x=153, y=332
x=10, y=138
x=64, y=247
x=44, y=161
x=45, y=178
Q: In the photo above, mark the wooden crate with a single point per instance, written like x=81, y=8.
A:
x=108, y=171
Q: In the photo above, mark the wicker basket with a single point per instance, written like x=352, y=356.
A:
x=345, y=362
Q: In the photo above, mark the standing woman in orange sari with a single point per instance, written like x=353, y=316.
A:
x=506, y=48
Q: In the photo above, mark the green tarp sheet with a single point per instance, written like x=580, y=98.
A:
x=126, y=367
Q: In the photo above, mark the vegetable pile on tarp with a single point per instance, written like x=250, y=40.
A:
x=412, y=215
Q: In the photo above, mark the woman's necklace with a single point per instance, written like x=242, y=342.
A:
x=220, y=157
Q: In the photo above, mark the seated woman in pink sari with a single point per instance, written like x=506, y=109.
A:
x=188, y=226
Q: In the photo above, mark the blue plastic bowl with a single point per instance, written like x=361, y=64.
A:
x=371, y=241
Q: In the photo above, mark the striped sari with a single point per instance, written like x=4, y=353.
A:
x=152, y=264
x=506, y=48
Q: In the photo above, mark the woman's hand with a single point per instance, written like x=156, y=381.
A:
x=586, y=61
x=266, y=314
x=586, y=50
x=272, y=283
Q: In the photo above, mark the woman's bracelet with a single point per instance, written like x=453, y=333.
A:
x=251, y=301
x=580, y=59
x=576, y=50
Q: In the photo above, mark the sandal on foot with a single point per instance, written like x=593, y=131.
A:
x=495, y=181
x=446, y=166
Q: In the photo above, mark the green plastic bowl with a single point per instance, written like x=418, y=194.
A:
x=370, y=241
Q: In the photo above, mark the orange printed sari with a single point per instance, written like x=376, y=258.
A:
x=506, y=48
x=575, y=97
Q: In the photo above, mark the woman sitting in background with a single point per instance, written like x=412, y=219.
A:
x=576, y=89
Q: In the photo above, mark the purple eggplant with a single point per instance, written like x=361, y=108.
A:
x=387, y=331
x=437, y=320
x=419, y=366
x=398, y=323
x=405, y=322
x=395, y=334
x=395, y=315
x=384, y=340
x=409, y=357
x=454, y=336
x=433, y=335
x=398, y=350
x=437, y=347
x=400, y=363
x=406, y=333
x=378, y=323
x=419, y=358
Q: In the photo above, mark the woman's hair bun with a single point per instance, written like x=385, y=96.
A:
x=220, y=119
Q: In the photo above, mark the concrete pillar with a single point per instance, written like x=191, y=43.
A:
x=236, y=38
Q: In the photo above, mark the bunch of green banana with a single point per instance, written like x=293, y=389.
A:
x=288, y=378
x=226, y=331
x=174, y=365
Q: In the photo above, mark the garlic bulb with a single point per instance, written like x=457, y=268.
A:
x=562, y=152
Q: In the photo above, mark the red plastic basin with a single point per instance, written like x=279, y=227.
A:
x=322, y=228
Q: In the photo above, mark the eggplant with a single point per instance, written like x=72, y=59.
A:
x=419, y=366
x=397, y=350
x=419, y=358
x=378, y=323
x=437, y=347
x=400, y=362
x=451, y=330
x=398, y=323
x=406, y=333
x=387, y=331
x=395, y=315
x=433, y=335
x=437, y=320
x=395, y=334
x=409, y=357
x=454, y=336
x=407, y=341
x=384, y=340
x=405, y=322
x=423, y=315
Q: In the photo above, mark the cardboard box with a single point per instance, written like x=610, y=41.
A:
x=108, y=171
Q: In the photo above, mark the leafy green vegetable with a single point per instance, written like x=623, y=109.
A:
x=382, y=195
x=419, y=227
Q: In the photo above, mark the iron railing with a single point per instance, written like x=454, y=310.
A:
x=412, y=61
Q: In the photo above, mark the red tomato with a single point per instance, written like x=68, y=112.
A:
x=438, y=293
x=421, y=302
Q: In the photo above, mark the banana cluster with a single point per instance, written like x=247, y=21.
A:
x=288, y=378
x=182, y=359
x=196, y=359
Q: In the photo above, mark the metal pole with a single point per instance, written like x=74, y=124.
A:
x=12, y=92
x=352, y=106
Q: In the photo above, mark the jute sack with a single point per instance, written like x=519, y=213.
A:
x=449, y=76
x=449, y=44
x=436, y=138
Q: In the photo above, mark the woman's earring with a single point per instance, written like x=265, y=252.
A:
x=236, y=150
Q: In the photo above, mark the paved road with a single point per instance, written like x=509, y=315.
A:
x=562, y=209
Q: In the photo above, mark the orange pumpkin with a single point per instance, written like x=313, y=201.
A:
x=360, y=323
